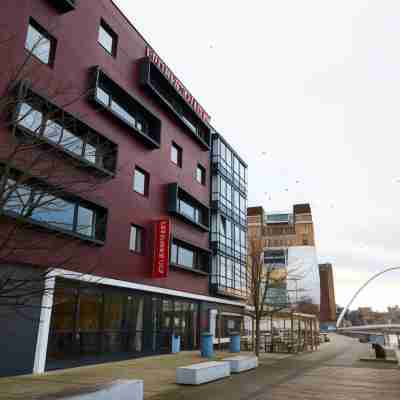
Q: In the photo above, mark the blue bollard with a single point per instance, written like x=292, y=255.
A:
x=207, y=345
x=175, y=344
x=234, y=345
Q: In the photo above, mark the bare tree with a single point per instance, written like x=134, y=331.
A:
x=40, y=140
x=268, y=292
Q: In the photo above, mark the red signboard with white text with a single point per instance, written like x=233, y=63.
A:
x=162, y=233
x=177, y=85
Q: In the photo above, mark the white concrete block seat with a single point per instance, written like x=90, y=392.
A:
x=390, y=352
x=242, y=363
x=121, y=390
x=197, y=374
x=397, y=352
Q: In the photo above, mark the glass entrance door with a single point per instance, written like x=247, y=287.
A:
x=173, y=316
x=95, y=321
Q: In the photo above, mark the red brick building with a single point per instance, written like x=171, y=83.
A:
x=328, y=302
x=143, y=143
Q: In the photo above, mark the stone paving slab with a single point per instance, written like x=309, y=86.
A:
x=158, y=373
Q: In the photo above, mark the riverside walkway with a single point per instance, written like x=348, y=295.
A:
x=332, y=373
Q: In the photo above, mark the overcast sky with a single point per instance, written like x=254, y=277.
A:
x=315, y=85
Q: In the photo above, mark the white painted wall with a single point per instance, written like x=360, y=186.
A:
x=303, y=262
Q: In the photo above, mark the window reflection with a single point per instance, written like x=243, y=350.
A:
x=38, y=44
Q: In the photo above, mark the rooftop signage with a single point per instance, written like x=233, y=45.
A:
x=177, y=85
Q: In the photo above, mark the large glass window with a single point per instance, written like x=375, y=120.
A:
x=136, y=239
x=201, y=174
x=53, y=210
x=93, y=320
x=40, y=43
x=181, y=255
x=85, y=145
x=176, y=154
x=141, y=181
x=190, y=211
x=229, y=276
x=132, y=116
x=107, y=38
x=188, y=257
x=72, y=142
x=85, y=224
x=30, y=118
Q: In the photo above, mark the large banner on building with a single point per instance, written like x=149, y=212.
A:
x=162, y=233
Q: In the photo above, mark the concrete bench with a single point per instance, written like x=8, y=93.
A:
x=390, y=352
x=121, y=390
x=197, y=374
x=242, y=363
x=397, y=352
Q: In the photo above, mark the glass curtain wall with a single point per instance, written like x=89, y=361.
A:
x=228, y=221
x=92, y=321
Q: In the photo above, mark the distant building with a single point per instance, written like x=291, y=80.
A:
x=289, y=243
x=328, y=303
x=370, y=317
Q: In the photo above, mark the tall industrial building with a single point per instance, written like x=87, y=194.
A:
x=328, y=302
x=288, y=239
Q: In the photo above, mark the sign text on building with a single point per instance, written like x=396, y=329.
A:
x=162, y=232
x=177, y=84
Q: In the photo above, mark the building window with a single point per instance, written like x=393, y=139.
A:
x=230, y=276
x=190, y=211
x=136, y=239
x=108, y=38
x=188, y=257
x=125, y=107
x=54, y=126
x=168, y=94
x=176, y=154
x=275, y=257
x=201, y=174
x=187, y=207
x=32, y=201
x=141, y=181
x=40, y=43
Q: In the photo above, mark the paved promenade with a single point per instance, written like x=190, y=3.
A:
x=333, y=373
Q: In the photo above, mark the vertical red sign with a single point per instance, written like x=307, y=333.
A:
x=162, y=232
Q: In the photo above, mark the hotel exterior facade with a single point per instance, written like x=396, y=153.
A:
x=148, y=262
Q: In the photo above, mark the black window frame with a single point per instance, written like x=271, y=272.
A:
x=65, y=6
x=161, y=88
x=203, y=174
x=179, y=152
x=105, y=164
x=138, y=249
x=39, y=186
x=175, y=195
x=146, y=181
x=201, y=257
x=150, y=134
x=44, y=32
x=235, y=283
x=107, y=28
